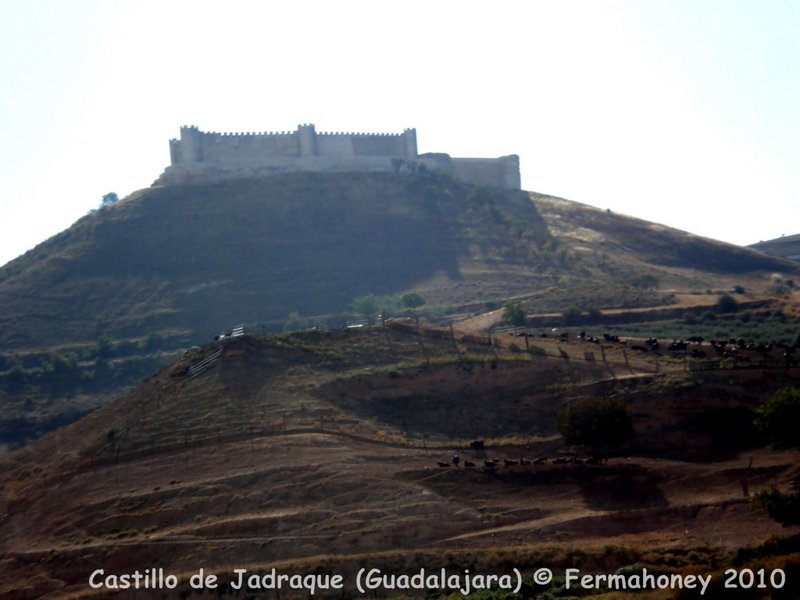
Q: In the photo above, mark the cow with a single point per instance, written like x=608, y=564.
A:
x=477, y=445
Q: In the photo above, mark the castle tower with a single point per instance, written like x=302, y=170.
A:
x=190, y=149
x=308, y=140
x=410, y=143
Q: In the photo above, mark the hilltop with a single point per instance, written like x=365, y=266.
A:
x=787, y=246
x=319, y=451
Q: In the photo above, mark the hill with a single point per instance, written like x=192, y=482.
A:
x=319, y=453
x=196, y=259
x=93, y=310
x=787, y=246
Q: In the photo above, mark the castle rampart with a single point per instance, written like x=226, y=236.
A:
x=200, y=156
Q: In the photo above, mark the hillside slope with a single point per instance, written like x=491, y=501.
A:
x=321, y=451
x=90, y=312
x=193, y=260
x=787, y=246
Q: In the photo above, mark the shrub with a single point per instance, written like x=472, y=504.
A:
x=411, y=300
x=784, y=508
x=777, y=419
x=513, y=314
x=727, y=304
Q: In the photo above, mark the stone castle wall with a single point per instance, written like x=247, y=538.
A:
x=200, y=156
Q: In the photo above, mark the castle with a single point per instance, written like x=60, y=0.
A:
x=200, y=156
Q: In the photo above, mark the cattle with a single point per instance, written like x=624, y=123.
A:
x=455, y=459
x=477, y=445
x=678, y=346
x=469, y=464
x=510, y=462
x=443, y=464
x=489, y=464
x=719, y=347
x=561, y=460
x=524, y=461
x=542, y=460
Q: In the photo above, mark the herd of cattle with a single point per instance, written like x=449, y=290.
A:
x=694, y=346
x=490, y=464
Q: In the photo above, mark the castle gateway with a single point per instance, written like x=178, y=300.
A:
x=200, y=156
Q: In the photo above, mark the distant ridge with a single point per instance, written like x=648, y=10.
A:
x=787, y=246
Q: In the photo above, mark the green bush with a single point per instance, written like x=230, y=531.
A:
x=777, y=419
x=514, y=314
x=727, y=304
x=784, y=508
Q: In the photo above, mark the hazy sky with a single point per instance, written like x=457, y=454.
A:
x=685, y=113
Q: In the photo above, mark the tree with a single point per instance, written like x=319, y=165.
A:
x=784, y=508
x=407, y=304
x=513, y=314
x=598, y=423
x=108, y=199
x=104, y=348
x=645, y=282
x=411, y=300
x=727, y=304
x=777, y=419
x=368, y=306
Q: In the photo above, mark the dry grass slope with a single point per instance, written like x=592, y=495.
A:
x=320, y=450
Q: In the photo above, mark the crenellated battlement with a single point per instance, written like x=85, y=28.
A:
x=213, y=156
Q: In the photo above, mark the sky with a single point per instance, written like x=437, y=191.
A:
x=681, y=112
